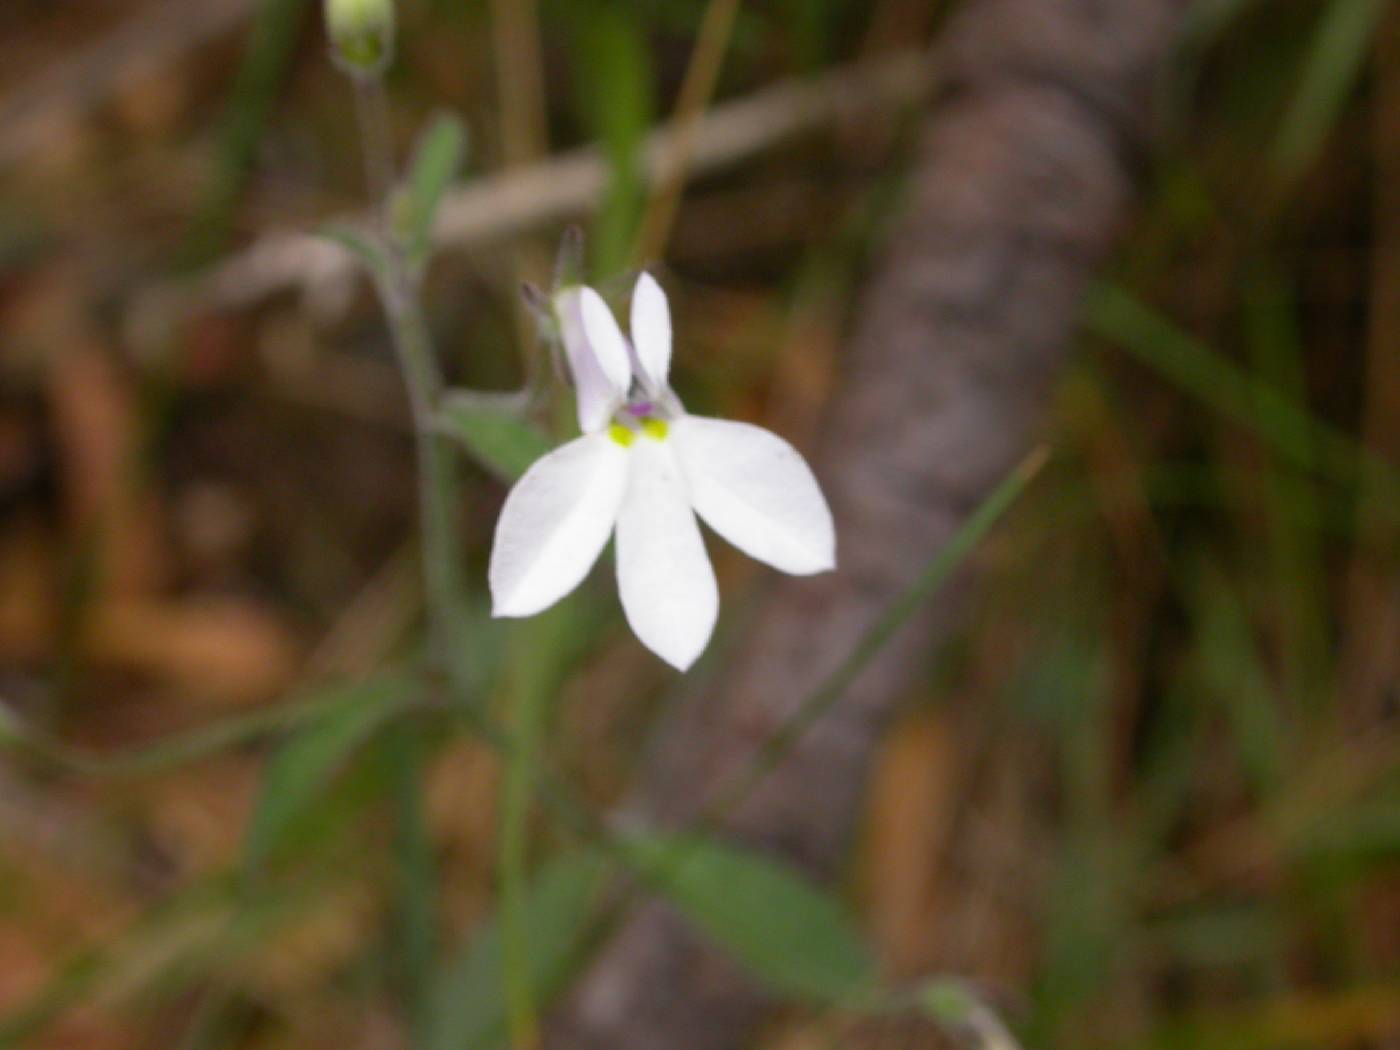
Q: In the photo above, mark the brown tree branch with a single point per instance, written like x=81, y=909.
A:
x=561, y=187
x=1025, y=171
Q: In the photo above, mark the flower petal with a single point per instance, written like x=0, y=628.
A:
x=651, y=329
x=554, y=524
x=663, y=571
x=606, y=338
x=756, y=491
x=598, y=384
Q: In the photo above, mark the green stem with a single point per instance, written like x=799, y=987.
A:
x=400, y=291
x=873, y=641
x=530, y=697
x=438, y=487
x=413, y=849
x=193, y=746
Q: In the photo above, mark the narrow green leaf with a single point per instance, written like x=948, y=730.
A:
x=359, y=243
x=185, y=748
x=493, y=432
x=467, y=1010
x=11, y=732
x=878, y=634
x=416, y=868
x=1366, y=831
x=1205, y=21
x=616, y=93
x=1294, y=503
x=544, y=647
x=1213, y=935
x=436, y=162
x=1115, y=314
x=168, y=932
x=795, y=938
x=262, y=75
x=205, y=933
x=300, y=770
x=1332, y=68
x=1233, y=672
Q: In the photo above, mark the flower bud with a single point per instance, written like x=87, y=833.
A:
x=362, y=35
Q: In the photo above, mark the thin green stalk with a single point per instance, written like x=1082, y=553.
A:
x=413, y=852
x=184, y=748
x=538, y=672
x=438, y=487
x=401, y=294
x=262, y=73
x=513, y=868
x=399, y=285
x=875, y=638
x=1114, y=314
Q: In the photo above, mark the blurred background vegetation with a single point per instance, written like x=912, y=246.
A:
x=1187, y=638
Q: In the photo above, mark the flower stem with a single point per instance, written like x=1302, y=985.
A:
x=524, y=138
x=399, y=284
x=514, y=862
x=399, y=287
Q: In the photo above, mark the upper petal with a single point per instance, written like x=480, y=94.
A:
x=598, y=385
x=663, y=572
x=651, y=329
x=555, y=523
x=756, y=491
x=606, y=338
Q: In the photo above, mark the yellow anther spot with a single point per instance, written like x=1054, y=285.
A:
x=656, y=429
x=621, y=435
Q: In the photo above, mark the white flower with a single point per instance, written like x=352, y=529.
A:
x=646, y=468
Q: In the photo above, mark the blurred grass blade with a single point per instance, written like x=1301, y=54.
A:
x=814, y=29
x=879, y=633
x=1332, y=68
x=415, y=866
x=266, y=64
x=543, y=649
x=1202, y=25
x=616, y=92
x=1114, y=314
x=1364, y=833
x=1295, y=505
x=796, y=939
x=164, y=933
x=492, y=430
x=1212, y=936
x=436, y=161
x=208, y=929
x=301, y=768
x=1206, y=20
x=466, y=1009
x=1232, y=671
x=201, y=743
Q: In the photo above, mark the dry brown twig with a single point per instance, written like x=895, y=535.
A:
x=564, y=187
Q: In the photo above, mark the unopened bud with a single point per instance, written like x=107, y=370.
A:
x=362, y=35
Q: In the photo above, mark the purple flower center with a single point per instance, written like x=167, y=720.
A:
x=640, y=409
